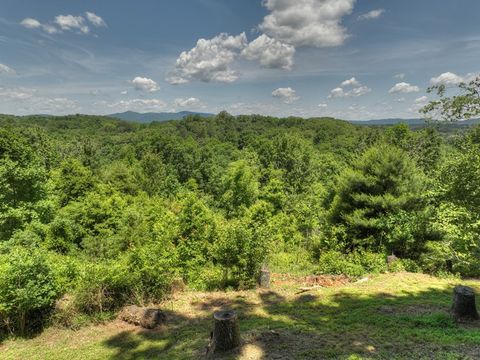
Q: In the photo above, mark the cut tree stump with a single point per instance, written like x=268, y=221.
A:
x=464, y=307
x=264, y=278
x=226, y=332
x=148, y=318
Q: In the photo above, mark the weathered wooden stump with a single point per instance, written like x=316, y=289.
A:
x=226, y=333
x=391, y=259
x=464, y=307
x=148, y=318
x=264, y=278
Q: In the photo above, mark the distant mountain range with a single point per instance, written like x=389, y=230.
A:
x=151, y=116
x=410, y=122
x=165, y=116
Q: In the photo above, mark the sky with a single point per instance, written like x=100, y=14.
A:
x=350, y=59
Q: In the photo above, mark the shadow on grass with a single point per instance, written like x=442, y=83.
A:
x=345, y=324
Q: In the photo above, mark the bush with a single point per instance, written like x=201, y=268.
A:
x=28, y=289
x=103, y=287
x=353, y=264
x=155, y=268
x=336, y=263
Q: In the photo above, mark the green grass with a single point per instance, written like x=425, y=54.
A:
x=393, y=316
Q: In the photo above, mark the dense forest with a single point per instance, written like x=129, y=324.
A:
x=106, y=212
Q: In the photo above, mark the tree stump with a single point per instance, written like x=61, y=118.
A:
x=226, y=333
x=264, y=278
x=464, y=307
x=148, y=318
x=391, y=259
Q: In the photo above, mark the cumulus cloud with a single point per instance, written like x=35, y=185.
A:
x=187, y=102
x=145, y=84
x=95, y=19
x=140, y=105
x=271, y=53
x=452, y=79
x=63, y=23
x=6, y=69
x=350, y=82
x=209, y=60
x=314, y=23
x=421, y=100
x=287, y=95
x=404, y=88
x=70, y=22
x=374, y=14
x=27, y=100
x=30, y=23
x=357, y=90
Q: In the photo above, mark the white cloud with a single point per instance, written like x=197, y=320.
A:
x=402, y=99
x=145, y=84
x=65, y=23
x=6, y=69
x=404, y=88
x=357, y=90
x=70, y=22
x=399, y=76
x=350, y=82
x=95, y=19
x=451, y=79
x=30, y=23
x=28, y=101
x=446, y=78
x=322, y=105
x=209, y=60
x=124, y=92
x=271, y=53
x=140, y=105
x=314, y=23
x=16, y=93
x=187, y=102
x=287, y=95
x=374, y=14
x=421, y=100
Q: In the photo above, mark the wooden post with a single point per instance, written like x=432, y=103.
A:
x=226, y=333
x=264, y=278
x=464, y=307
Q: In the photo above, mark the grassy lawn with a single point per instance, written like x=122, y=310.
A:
x=392, y=316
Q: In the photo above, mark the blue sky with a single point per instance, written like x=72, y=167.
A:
x=362, y=59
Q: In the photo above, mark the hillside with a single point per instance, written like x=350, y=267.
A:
x=390, y=316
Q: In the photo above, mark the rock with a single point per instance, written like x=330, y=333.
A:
x=148, y=318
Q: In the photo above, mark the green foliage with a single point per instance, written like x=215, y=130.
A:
x=354, y=264
x=28, y=289
x=128, y=212
x=103, y=287
x=464, y=105
x=382, y=183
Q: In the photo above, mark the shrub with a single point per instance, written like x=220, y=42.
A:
x=155, y=268
x=353, y=264
x=28, y=289
x=103, y=287
x=336, y=263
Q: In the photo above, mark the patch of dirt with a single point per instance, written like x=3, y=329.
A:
x=271, y=344
x=311, y=280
